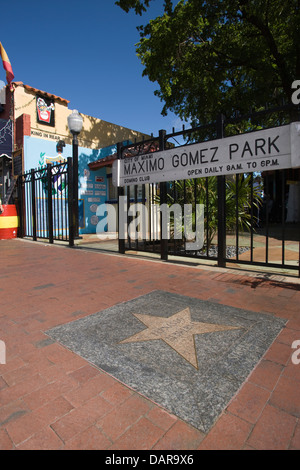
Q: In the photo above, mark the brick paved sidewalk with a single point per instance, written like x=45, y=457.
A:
x=50, y=398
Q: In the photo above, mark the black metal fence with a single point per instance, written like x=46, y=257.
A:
x=245, y=215
x=45, y=198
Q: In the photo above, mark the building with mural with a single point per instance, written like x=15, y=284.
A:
x=34, y=131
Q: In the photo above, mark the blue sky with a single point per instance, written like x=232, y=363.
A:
x=84, y=51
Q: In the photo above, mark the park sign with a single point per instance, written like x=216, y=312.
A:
x=269, y=149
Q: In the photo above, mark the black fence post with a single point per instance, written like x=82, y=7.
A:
x=33, y=205
x=20, y=206
x=121, y=193
x=221, y=185
x=50, y=207
x=70, y=202
x=75, y=186
x=163, y=200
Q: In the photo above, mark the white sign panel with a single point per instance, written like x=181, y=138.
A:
x=269, y=149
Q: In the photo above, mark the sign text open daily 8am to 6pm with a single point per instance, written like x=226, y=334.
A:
x=269, y=149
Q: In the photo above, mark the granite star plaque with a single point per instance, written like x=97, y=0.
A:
x=187, y=355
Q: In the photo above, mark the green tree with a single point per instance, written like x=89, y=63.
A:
x=224, y=56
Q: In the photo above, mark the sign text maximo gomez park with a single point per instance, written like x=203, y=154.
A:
x=269, y=149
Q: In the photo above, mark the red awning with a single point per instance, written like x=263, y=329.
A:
x=106, y=161
x=138, y=149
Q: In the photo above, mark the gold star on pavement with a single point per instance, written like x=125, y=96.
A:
x=177, y=331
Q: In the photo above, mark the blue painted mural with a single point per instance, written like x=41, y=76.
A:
x=92, y=185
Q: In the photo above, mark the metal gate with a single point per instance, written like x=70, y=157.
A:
x=246, y=216
x=45, y=199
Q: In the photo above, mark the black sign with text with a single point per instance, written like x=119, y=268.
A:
x=45, y=111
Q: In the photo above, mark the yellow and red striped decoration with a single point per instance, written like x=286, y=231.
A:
x=9, y=222
x=6, y=65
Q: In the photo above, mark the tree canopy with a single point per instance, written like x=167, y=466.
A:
x=212, y=57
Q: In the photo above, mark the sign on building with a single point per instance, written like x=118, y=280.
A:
x=45, y=109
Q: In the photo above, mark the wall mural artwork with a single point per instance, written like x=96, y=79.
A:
x=59, y=183
x=59, y=192
x=92, y=185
